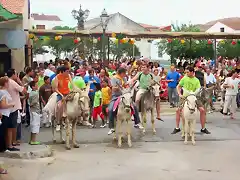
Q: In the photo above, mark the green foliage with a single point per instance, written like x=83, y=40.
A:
x=64, y=45
x=118, y=49
x=38, y=47
x=189, y=49
x=226, y=49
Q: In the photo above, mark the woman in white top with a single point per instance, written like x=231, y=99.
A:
x=5, y=110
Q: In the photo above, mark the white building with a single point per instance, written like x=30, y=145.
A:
x=228, y=25
x=119, y=23
x=43, y=21
x=19, y=11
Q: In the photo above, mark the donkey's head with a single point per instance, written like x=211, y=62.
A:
x=126, y=98
x=191, y=103
x=156, y=89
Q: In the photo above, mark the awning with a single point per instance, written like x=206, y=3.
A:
x=6, y=15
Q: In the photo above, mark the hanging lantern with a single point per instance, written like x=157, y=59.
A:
x=46, y=38
x=234, y=43
x=182, y=41
x=99, y=39
x=56, y=38
x=114, y=35
x=209, y=42
x=121, y=41
x=59, y=37
x=197, y=42
x=131, y=41
x=116, y=41
x=95, y=41
x=169, y=40
x=126, y=40
x=75, y=41
x=31, y=36
x=79, y=39
x=222, y=41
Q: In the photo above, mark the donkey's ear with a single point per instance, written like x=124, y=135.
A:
x=120, y=87
x=133, y=85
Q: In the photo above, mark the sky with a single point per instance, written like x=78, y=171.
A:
x=152, y=12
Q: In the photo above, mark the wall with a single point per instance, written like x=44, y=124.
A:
x=18, y=58
x=48, y=24
x=144, y=48
x=217, y=26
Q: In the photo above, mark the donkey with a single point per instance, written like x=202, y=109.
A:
x=189, y=117
x=148, y=103
x=77, y=104
x=125, y=110
x=54, y=111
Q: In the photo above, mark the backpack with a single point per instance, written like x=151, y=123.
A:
x=139, y=77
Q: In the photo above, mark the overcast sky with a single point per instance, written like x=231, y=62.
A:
x=153, y=12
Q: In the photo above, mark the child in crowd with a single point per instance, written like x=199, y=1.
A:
x=106, y=97
x=97, y=106
x=34, y=112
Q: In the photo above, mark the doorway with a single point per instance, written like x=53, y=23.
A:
x=5, y=59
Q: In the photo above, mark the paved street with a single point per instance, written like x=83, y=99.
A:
x=220, y=130
x=163, y=156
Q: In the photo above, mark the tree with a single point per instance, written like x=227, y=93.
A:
x=38, y=47
x=66, y=44
x=228, y=48
x=119, y=49
x=184, y=47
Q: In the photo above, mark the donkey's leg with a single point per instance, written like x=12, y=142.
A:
x=186, y=129
x=68, y=147
x=115, y=130
x=53, y=128
x=61, y=131
x=74, y=125
x=183, y=126
x=119, y=127
x=192, y=131
x=153, y=121
x=129, y=128
x=143, y=117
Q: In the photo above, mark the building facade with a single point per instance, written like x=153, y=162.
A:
x=43, y=21
x=19, y=20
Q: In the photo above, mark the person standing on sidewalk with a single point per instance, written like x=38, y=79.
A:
x=172, y=78
x=14, y=89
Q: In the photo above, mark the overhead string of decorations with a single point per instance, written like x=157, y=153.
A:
x=118, y=38
x=209, y=41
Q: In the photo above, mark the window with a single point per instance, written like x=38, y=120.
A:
x=40, y=26
x=222, y=29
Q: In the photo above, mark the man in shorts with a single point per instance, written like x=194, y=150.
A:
x=189, y=83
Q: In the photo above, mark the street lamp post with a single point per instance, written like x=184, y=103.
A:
x=104, y=20
x=81, y=16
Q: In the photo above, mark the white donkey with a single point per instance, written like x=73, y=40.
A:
x=77, y=104
x=124, y=113
x=189, y=117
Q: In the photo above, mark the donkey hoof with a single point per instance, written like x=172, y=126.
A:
x=76, y=146
x=63, y=142
x=119, y=145
x=54, y=141
x=185, y=142
x=68, y=148
x=154, y=132
x=193, y=143
x=130, y=145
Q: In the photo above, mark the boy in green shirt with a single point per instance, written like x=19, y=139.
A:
x=97, y=106
x=189, y=83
